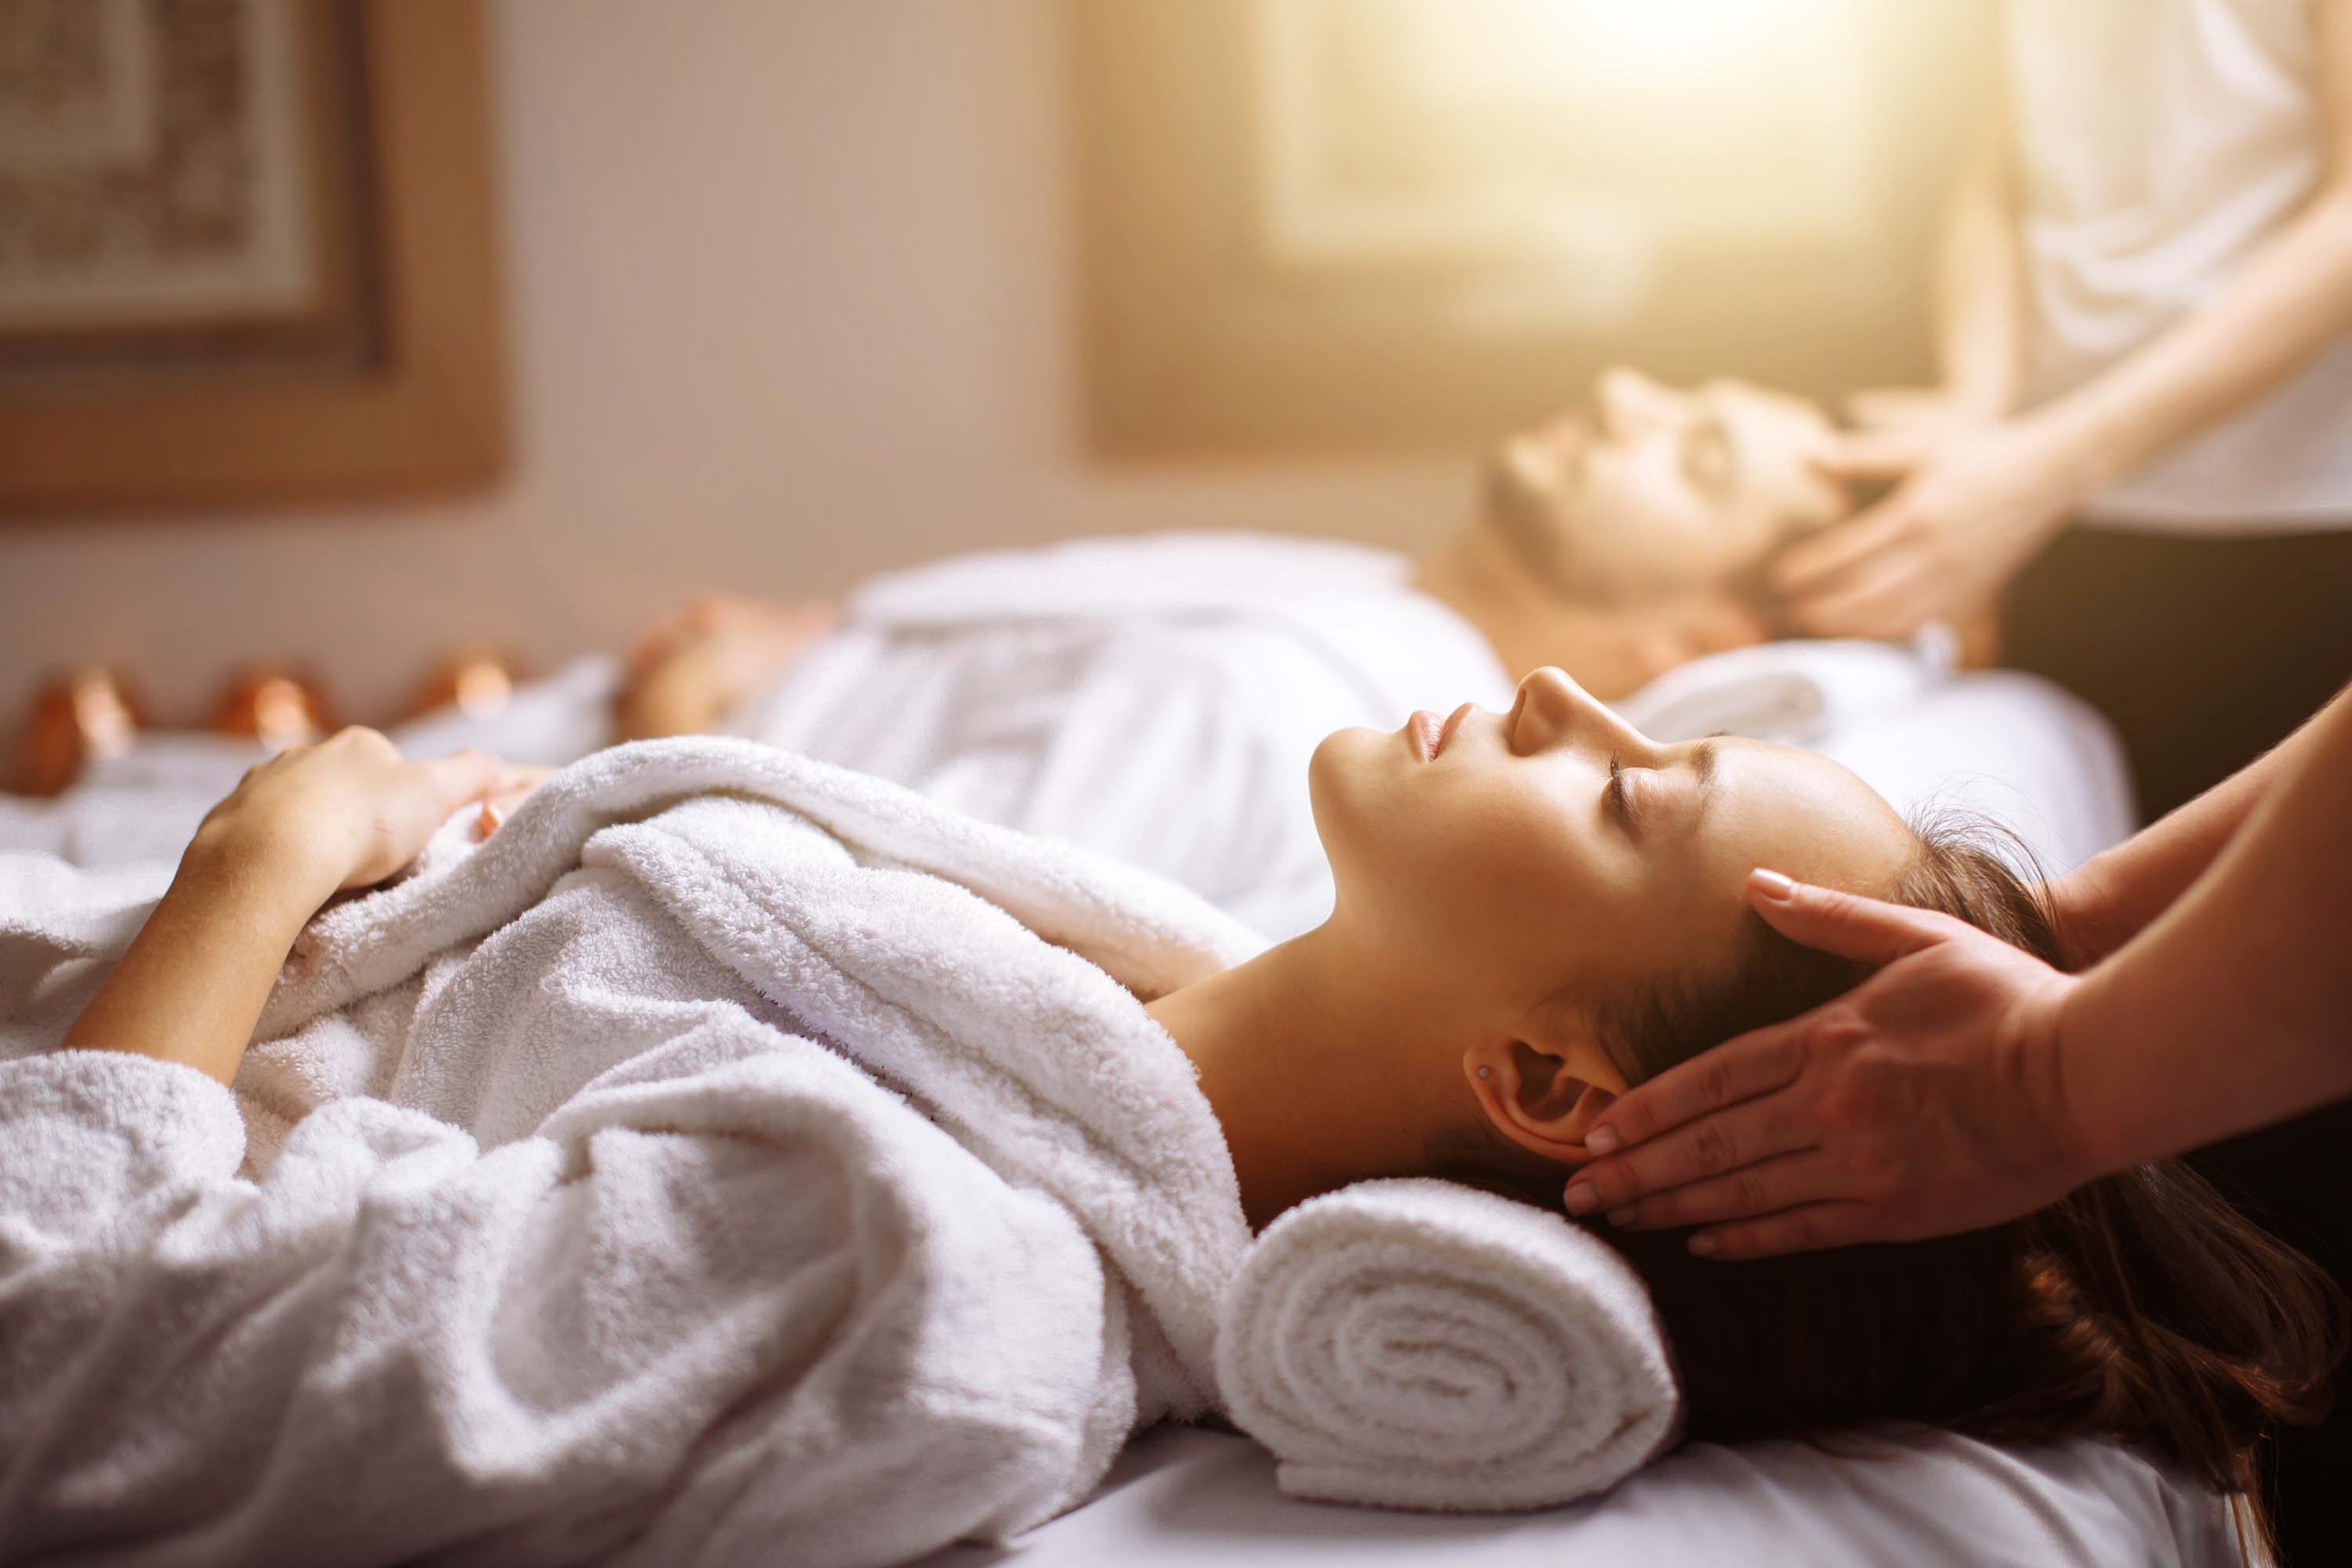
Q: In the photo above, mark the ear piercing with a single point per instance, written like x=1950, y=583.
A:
x=1485, y=1072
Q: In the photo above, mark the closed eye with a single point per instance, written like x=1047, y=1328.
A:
x=1707, y=456
x=1617, y=789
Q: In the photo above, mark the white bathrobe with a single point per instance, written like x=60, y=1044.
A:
x=717, y=1165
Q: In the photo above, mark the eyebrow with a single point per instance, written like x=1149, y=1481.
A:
x=1703, y=760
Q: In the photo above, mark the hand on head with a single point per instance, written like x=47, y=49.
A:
x=1973, y=500
x=1923, y=1103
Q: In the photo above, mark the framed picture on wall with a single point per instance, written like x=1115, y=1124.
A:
x=247, y=253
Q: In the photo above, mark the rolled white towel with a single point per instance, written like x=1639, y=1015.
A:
x=1417, y=1343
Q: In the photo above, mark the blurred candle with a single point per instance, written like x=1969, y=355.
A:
x=80, y=718
x=476, y=679
x=277, y=707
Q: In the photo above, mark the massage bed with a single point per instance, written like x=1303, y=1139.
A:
x=1184, y=1496
x=1188, y=1498
x=2007, y=746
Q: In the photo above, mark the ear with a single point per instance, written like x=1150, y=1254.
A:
x=1543, y=1095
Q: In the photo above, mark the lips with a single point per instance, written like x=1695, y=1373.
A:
x=1445, y=730
x=1428, y=735
x=1425, y=733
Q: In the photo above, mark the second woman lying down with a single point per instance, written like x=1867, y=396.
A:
x=737, y=1158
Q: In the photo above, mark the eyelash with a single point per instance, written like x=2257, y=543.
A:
x=1617, y=783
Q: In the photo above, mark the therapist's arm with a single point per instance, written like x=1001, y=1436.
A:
x=2233, y=1008
x=1976, y=289
x=1979, y=314
x=1973, y=503
x=1966, y=1083
x=2115, y=895
x=2290, y=300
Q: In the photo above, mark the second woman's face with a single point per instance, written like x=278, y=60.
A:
x=1556, y=846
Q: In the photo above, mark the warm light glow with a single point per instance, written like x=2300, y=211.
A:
x=1577, y=139
x=1654, y=47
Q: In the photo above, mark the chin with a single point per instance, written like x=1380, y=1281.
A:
x=1328, y=769
x=1339, y=777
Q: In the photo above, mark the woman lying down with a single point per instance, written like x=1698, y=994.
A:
x=735, y=1157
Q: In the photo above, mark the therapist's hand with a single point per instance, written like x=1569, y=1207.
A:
x=1924, y=1102
x=1972, y=502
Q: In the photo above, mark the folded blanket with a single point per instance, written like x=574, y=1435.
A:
x=733, y=1159
x=1420, y=1344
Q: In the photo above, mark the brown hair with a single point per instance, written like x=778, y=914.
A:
x=2140, y=1308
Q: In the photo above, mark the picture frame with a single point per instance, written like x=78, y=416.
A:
x=386, y=378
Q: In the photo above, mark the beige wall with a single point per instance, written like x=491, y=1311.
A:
x=791, y=298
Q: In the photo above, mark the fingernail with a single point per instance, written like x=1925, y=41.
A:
x=1704, y=1246
x=1623, y=1216
x=1600, y=1141
x=1771, y=884
x=1581, y=1198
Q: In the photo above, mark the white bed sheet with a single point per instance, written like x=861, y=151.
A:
x=2014, y=747
x=1186, y=1497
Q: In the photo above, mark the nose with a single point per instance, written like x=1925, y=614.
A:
x=1630, y=403
x=1553, y=711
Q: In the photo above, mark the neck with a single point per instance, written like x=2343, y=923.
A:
x=1611, y=649
x=1317, y=1079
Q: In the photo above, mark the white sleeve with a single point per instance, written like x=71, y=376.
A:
x=698, y=1314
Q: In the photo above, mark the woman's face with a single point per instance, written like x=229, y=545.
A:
x=1662, y=489
x=1555, y=849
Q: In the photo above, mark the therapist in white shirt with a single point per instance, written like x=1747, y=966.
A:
x=2143, y=437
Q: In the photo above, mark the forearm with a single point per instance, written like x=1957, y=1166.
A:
x=2234, y=1007
x=2111, y=898
x=2286, y=303
x=191, y=987
x=1976, y=287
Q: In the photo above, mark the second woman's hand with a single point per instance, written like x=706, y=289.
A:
x=344, y=812
x=347, y=812
x=1924, y=1102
